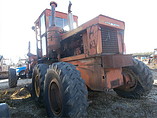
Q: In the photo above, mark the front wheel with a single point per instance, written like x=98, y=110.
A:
x=12, y=78
x=141, y=81
x=65, y=91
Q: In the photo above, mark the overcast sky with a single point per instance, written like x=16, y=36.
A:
x=18, y=16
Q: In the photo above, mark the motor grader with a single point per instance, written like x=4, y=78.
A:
x=91, y=56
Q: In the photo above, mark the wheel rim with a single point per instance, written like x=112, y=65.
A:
x=55, y=98
x=37, y=85
x=133, y=80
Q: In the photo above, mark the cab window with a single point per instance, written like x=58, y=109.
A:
x=42, y=23
x=60, y=22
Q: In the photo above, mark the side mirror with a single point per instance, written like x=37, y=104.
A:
x=33, y=28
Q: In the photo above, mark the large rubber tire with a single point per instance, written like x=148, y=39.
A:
x=144, y=81
x=38, y=82
x=65, y=91
x=12, y=78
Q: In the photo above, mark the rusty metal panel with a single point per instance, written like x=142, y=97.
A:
x=92, y=72
x=93, y=40
x=96, y=77
x=73, y=58
x=114, y=77
x=93, y=76
x=92, y=36
x=121, y=44
x=111, y=22
x=116, y=61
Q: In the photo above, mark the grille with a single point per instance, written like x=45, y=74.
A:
x=109, y=40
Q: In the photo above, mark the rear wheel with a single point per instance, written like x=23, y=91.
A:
x=141, y=81
x=12, y=78
x=65, y=91
x=38, y=82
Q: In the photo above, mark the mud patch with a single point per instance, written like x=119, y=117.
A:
x=21, y=104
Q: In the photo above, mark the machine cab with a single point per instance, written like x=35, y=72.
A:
x=44, y=22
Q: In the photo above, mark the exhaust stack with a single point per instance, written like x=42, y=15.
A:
x=53, y=6
x=70, y=17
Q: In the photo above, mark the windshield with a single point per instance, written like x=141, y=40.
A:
x=61, y=22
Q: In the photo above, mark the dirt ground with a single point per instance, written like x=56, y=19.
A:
x=103, y=104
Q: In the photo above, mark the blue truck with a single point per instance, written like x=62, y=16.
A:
x=20, y=72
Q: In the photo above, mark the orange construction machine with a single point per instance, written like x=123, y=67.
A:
x=72, y=59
